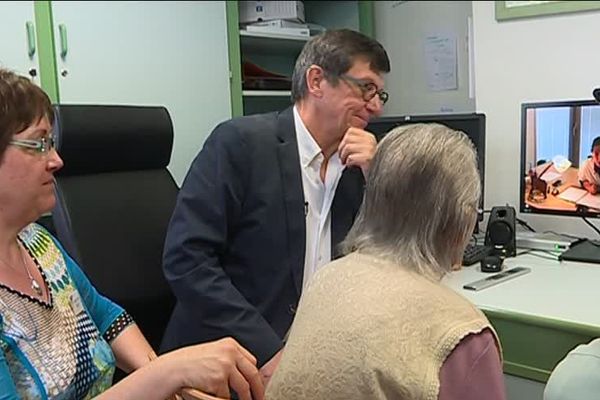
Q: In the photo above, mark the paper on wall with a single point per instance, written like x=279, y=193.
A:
x=440, y=62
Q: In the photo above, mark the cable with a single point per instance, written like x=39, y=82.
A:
x=525, y=224
x=593, y=243
x=473, y=240
x=527, y=251
x=519, y=220
x=591, y=225
x=564, y=235
x=583, y=211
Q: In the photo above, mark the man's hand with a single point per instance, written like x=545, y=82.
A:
x=357, y=148
x=269, y=368
x=214, y=367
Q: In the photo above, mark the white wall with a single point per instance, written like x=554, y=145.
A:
x=402, y=27
x=537, y=59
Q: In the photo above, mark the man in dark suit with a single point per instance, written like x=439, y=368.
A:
x=268, y=198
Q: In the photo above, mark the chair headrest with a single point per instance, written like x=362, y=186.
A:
x=110, y=138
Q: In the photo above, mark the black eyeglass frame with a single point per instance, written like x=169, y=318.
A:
x=368, y=88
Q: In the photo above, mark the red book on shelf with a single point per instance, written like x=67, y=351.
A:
x=257, y=78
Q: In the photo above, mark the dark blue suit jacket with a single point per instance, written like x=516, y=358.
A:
x=234, y=252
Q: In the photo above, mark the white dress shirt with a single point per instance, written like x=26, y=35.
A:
x=318, y=197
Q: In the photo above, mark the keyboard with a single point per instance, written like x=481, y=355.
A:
x=474, y=253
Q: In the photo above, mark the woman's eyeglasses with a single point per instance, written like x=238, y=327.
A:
x=42, y=145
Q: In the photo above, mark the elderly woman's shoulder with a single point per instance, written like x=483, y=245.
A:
x=355, y=267
x=351, y=263
x=341, y=268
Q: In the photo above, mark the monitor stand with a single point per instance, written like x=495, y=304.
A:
x=585, y=251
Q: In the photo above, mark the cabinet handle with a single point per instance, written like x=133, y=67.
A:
x=64, y=48
x=30, y=38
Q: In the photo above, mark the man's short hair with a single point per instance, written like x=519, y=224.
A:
x=335, y=51
x=596, y=142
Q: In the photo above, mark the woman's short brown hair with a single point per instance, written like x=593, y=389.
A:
x=22, y=103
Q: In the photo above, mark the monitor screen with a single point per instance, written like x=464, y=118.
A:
x=556, y=158
x=473, y=125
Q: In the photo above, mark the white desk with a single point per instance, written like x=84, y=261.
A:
x=539, y=316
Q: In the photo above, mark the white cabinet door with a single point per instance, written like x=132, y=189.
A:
x=15, y=46
x=148, y=53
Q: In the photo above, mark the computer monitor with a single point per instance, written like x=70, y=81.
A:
x=556, y=140
x=473, y=125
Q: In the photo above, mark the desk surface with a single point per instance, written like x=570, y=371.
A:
x=539, y=316
x=565, y=291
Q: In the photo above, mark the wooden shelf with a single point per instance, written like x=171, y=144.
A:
x=266, y=93
x=270, y=43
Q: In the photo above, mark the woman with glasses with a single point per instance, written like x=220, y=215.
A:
x=378, y=323
x=59, y=338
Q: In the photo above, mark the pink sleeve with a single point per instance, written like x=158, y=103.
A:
x=473, y=370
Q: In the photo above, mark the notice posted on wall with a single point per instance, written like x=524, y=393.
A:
x=440, y=61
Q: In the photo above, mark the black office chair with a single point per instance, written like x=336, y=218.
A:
x=115, y=197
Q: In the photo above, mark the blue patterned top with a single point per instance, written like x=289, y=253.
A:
x=55, y=350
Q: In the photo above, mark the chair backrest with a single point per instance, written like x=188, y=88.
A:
x=115, y=197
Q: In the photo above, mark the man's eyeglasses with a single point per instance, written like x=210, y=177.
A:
x=42, y=145
x=368, y=89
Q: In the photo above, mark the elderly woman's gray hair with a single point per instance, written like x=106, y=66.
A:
x=421, y=198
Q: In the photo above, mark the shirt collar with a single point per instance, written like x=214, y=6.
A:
x=308, y=148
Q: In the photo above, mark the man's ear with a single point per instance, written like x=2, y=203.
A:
x=314, y=80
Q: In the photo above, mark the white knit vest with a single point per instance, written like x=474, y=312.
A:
x=367, y=328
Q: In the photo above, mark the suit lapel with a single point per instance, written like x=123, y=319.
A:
x=293, y=194
x=346, y=203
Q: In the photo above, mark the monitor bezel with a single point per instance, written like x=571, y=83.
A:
x=480, y=118
x=523, y=171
